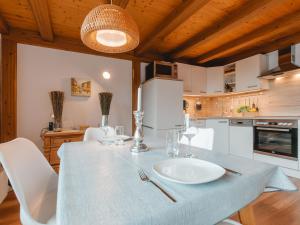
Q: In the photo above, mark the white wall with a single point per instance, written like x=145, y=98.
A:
x=41, y=70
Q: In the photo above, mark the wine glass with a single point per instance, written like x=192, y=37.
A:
x=189, y=134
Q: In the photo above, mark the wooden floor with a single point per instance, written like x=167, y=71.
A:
x=277, y=208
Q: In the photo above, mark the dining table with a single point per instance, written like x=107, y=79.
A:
x=99, y=185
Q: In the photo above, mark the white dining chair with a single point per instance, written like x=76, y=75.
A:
x=95, y=133
x=33, y=181
x=204, y=138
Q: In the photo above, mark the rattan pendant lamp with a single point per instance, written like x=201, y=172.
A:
x=109, y=28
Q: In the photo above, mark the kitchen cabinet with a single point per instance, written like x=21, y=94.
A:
x=221, y=134
x=215, y=80
x=247, y=71
x=198, y=75
x=194, y=78
x=183, y=73
x=241, y=138
x=272, y=60
x=199, y=123
x=285, y=163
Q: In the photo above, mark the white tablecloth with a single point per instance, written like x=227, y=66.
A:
x=100, y=185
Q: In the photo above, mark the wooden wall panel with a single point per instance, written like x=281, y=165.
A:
x=136, y=81
x=8, y=85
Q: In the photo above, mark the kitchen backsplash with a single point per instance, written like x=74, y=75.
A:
x=282, y=99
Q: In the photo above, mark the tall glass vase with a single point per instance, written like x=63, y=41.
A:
x=104, y=121
x=105, y=100
x=57, y=123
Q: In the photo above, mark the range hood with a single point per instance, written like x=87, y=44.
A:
x=286, y=62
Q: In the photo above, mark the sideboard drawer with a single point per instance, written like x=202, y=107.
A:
x=53, y=141
x=56, y=142
x=54, y=159
x=75, y=139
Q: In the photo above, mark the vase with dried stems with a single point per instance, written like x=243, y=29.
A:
x=105, y=100
x=57, y=100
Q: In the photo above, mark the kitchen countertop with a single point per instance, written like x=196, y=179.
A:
x=247, y=117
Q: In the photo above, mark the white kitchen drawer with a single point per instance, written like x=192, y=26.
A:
x=198, y=123
x=291, y=164
x=241, y=141
x=221, y=134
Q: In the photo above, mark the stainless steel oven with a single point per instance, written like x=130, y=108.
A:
x=276, y=137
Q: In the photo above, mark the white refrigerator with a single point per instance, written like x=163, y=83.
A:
x=163, y=106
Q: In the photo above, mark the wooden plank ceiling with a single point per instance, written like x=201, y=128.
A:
x=204, y=32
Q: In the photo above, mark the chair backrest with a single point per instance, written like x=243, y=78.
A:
x=29, y=173
x=95, y=133
x=204, y=138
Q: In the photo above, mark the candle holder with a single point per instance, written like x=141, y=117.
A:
x=138, y=137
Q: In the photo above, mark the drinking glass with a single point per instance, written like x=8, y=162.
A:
x=119, y=130
x=172, y=146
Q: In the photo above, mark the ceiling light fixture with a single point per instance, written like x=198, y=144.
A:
x=109, y=28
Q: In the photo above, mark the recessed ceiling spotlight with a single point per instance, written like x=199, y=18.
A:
x=106, y=75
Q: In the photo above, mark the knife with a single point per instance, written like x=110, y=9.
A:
x=232, y=171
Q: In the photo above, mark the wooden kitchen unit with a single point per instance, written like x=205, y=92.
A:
x=53, y=140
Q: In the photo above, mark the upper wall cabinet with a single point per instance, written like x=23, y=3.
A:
x=198, y=75
x=272, y=60
x=215, y=79
x=194, y=78
x=247, y=71
x=183, y=73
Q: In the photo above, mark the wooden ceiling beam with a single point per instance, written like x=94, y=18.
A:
x=3, y=26
x=68, y=44
x=275, y=29
x=42, y=16
x=171, y=22
x=269, y=46
x=225, y=25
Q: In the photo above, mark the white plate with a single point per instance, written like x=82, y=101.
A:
x=188, y=170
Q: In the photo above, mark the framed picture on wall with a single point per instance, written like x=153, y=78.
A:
x=80, y=87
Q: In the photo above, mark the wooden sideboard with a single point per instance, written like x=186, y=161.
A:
x=53, y=140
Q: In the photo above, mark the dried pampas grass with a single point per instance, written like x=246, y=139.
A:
x=105, y=100
x=57, y=99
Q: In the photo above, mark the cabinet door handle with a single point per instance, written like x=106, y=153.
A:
x=218, y=91
x=222, y=121
x=252, y=86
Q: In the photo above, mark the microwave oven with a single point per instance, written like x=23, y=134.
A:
x=161, y=69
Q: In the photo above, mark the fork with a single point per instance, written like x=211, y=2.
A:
x=145, y=178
